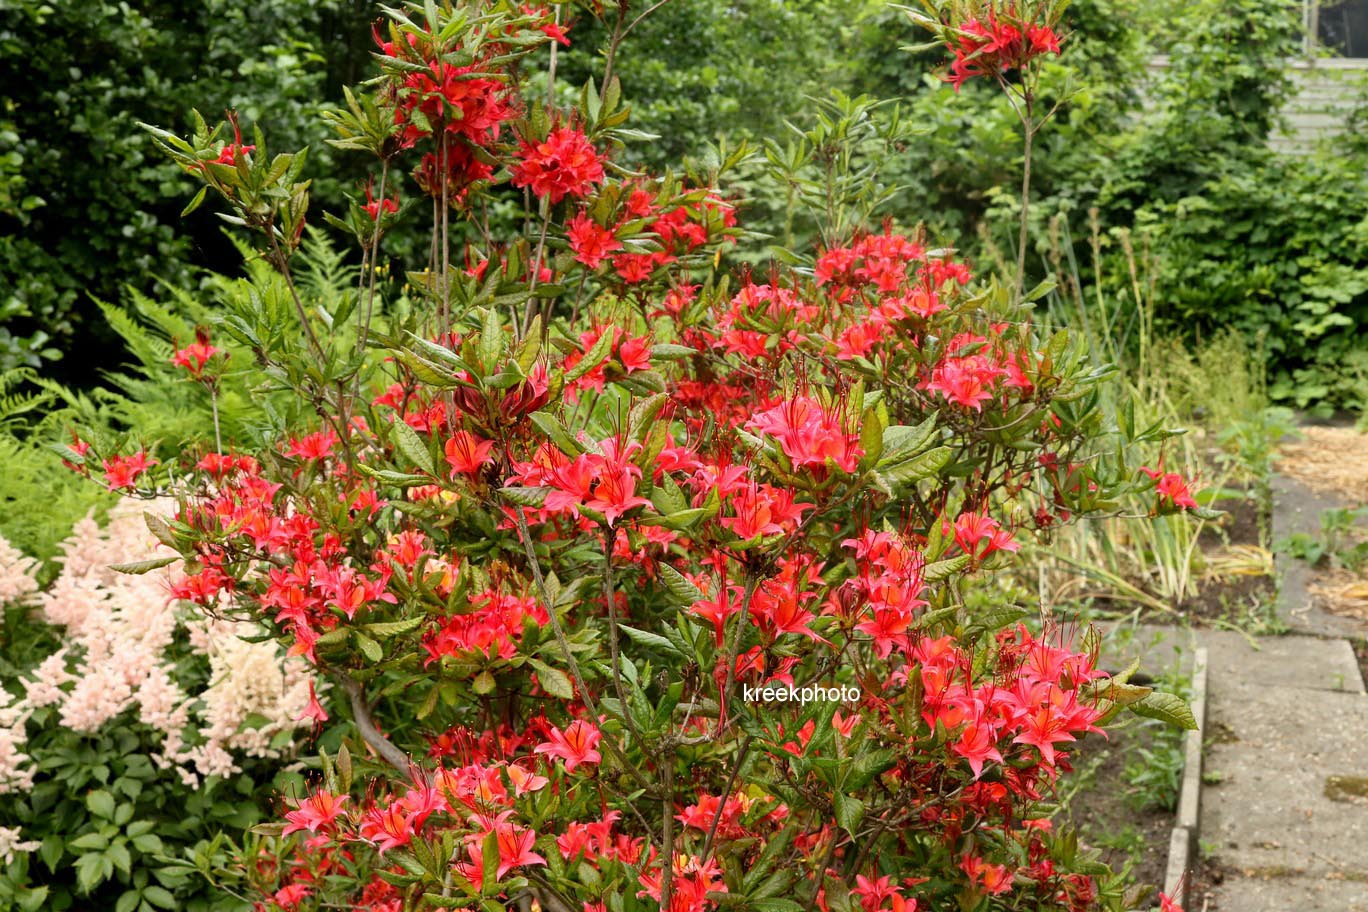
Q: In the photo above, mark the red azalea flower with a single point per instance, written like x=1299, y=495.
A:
x=195, y=355
x=591, y=244
x=515, y=848
x=467, y=454
x=315, y=709
x=374, y=207
x=576, y=745
x=316, y=812
x=564, y=164
x=123, y=471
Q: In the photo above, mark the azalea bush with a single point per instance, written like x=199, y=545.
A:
x=644, y=585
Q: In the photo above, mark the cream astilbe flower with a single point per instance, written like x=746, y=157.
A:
x=15, y=774
x=120, y=631
x=248, y=679
x=10, y=844
x=17, y=583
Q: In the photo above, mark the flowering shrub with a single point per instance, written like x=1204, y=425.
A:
x=127, y=706
x=557, y=518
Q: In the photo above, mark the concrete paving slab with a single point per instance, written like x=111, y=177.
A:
x=1289, y=763
x=1289, y=894
x=1297, y=508
x=1303, y=662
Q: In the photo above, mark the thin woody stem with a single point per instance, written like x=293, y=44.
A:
x=614, y=651
x=564, y=643
x=1029, y=128
x=365, y=724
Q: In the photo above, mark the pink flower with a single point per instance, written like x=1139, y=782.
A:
x=574, y=746
x=316, y=812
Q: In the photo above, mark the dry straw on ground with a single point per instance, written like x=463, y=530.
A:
x=1331, y=460
x=1341, y=592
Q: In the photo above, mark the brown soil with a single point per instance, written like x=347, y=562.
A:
x=1234, y=600
x=1239, y=583
x=1103, y=811
x=1241, y=524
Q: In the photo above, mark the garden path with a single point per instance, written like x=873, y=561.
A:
x=1284, y=812
x=1284, y=801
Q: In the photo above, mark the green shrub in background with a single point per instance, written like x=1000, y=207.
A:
x=84, y=208
x=1239, y=236
x=699, y=69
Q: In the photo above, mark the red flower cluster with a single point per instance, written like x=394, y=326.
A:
x=602, y=482
x=196, y=355
x=1003, y=41
x=121, y=472
x=564, y=164
x=811, y=436
x=491, y=629
x=1171, y=487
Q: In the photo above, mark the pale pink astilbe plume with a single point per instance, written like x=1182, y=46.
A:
x=15, y=774
x=45, y=689
x=119, y=628
x=247, y=679
x=121, y=622
x=161, y=702
x=101, y=693
x=17, y=583
x=10, y=844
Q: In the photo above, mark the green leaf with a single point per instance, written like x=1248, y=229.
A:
x=553, y=680
x=195, y=203
x=915, y=469
x=559, y=434
x=389, y=629
x=525, y=496
x=398, y=479
x=683, y=590
x=653, y=640
x=871, y=437
x=89, y=872
x=1166, y=707
x=849, y=812
x=944, y=568
x=902, y=441
x=408, y=442
x=89, y=842
x=369, y=648
x=138, y=568
x=159, y=896
x=118, y=853
x=160, y=528
x=774, y=904
x=667, y=351
x=491, y=339
x=101, y=804
x=483, y=683
x=596, y=355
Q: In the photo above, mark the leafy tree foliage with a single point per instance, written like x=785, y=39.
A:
x=84, y=207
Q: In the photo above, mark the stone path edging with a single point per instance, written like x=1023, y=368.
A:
x=1183, y=840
